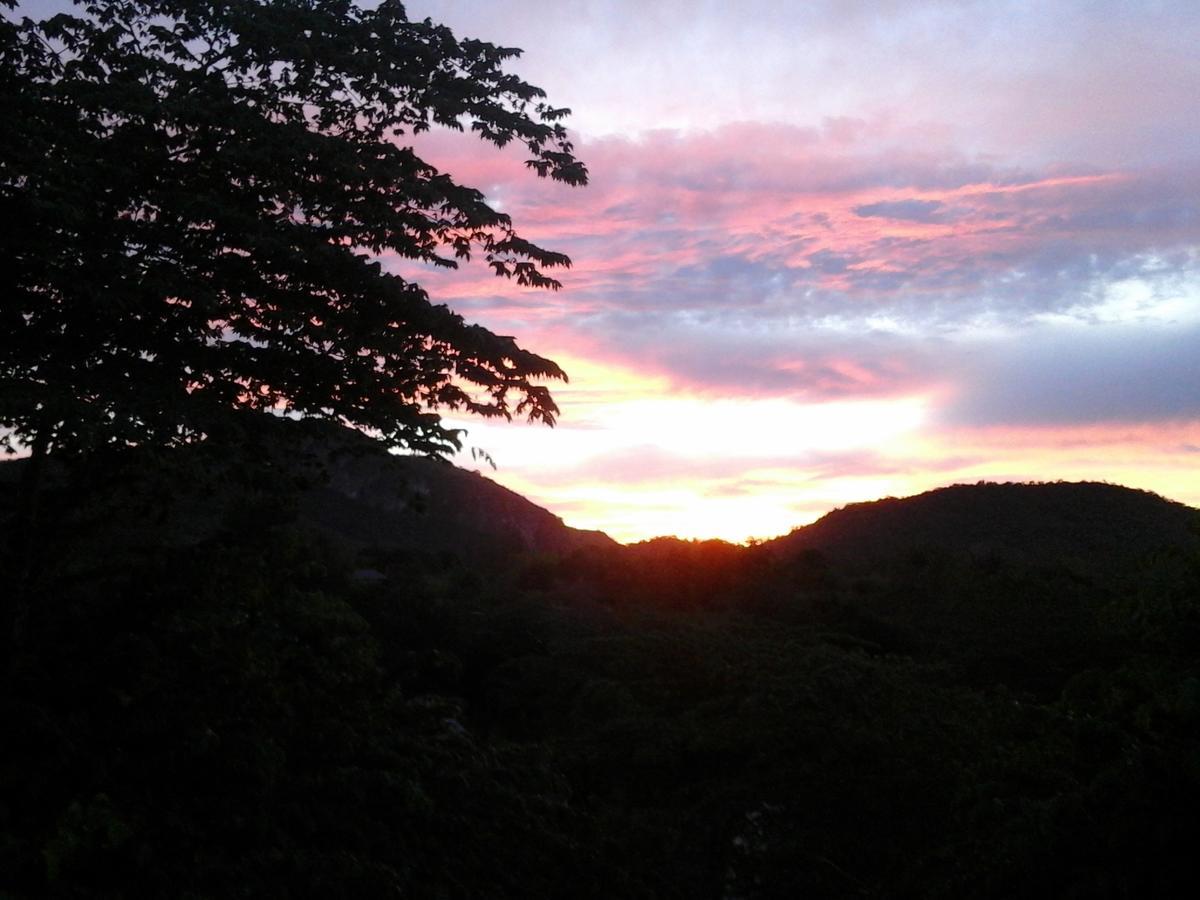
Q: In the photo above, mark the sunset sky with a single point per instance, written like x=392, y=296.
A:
x=832, y=252
x=837, y=251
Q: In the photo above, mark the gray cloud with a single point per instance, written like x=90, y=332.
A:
x=1079, y=376
x=904, y=210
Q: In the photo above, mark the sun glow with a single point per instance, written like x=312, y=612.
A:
x=636, y=459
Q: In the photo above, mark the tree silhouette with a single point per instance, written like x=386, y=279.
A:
x=194, y=195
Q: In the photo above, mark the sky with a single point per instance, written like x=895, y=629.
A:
x=837, y=251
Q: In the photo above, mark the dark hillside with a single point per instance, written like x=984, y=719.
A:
x=354, y=492
x=208, y=699
x=1019, y=583
x=1091, y=524
x=422, y=504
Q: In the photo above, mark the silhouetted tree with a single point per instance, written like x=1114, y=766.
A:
x=193, y=196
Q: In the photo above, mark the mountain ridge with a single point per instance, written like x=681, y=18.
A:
x=366, y=497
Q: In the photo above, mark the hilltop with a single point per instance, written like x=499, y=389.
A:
x=1085, y=523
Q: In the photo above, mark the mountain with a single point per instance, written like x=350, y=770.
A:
x=371, y=498
x=1094, y=523
x=355, y=491
x=342, y=483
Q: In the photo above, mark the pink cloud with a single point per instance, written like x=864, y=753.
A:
x=721, y=260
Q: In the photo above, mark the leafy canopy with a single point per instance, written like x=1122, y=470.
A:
x=193, y=196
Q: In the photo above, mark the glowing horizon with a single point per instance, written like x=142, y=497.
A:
x=605, y=478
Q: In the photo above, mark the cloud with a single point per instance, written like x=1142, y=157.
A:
x=839, y=262
x=760, y=208
x=904, y=210
x=1108, y=83
x=1068, y=375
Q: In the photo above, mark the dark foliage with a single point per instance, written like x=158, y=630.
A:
x=213, y=700
x=194, y=197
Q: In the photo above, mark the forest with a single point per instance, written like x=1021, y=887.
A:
x=221, y=689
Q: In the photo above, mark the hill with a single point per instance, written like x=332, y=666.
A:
x=1088, y=524
x=342, y=484
x=205, y=698
x=421, y=504
x=371, y=500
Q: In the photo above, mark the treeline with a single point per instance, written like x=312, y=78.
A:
x=211, y=699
